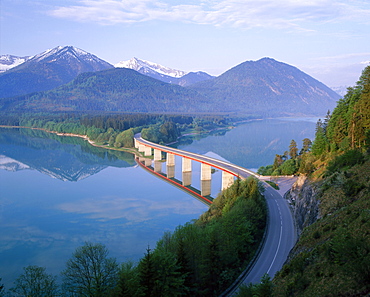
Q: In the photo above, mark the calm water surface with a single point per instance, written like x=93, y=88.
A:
x=58, y=192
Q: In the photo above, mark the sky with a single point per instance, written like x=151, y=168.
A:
x=329, y=40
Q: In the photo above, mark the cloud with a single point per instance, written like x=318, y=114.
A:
x=131, y=209
x=291, y=14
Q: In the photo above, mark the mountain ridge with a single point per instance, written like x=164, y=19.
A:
x=257, y=88
x=48, y=70
x=163, y=73
x=146, y=67
x=10, y=61
x=285, y=85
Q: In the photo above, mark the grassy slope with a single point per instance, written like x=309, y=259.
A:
x=332, y=257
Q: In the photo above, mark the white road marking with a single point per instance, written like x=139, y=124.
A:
x=281, y=232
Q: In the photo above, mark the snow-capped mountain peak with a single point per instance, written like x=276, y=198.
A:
x=9, y=61
x=146, y=67
x=68, y=53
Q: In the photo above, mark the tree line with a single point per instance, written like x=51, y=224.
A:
x=201, y=258
x=117, y=130
x=346, y=129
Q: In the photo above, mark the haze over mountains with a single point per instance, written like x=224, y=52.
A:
x=70, y=79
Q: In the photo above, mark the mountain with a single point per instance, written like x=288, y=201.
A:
x=9, y=61
x=268, y=87
x=341, y=90
x=48, y=70
x=164, y=73
x=260, y=88
x=150, y=68
x=192, y=78
x=117, y=89
x=10, y=164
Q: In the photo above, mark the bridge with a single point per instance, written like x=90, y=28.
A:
x=280, y=235
x=229, y=171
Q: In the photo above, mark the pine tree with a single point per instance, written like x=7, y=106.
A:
x=147, y=273
x=293, y=150
x=320, y=143
x=307, y=144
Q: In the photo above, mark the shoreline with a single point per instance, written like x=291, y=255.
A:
x=85, y=137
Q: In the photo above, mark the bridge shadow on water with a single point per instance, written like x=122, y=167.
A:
x=142, y=162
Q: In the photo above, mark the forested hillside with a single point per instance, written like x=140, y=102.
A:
x=332, y=256
x=268, y=87
x=111, y=90
x=256, y=89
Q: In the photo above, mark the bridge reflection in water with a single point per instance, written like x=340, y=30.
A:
x=154, y=156
x=155, y=168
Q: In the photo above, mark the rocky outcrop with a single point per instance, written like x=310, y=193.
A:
x=305, y=204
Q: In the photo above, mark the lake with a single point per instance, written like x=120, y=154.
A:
x=58, y=192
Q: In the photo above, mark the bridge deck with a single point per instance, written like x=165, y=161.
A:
x=222, y=165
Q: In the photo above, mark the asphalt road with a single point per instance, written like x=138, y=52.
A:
x=281, y=233
x=280, y=238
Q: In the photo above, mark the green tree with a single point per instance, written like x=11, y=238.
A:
x=128, y=285
x=168, y=280
x=289, y=167
x=293, y=150
x=90, y=272
x=320, y=143
x=169, y=131
x=306, y=147
x=152, y=134
x=35, y=282
x=277, y=161
x=125, y=139
x=147, y=273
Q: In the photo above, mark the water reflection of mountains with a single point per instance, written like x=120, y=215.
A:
x=65, y=158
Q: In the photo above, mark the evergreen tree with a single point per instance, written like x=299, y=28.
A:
x=293, y=150
x=307, y=144
x=277, y=161
x=147, y=273
x=320, y=143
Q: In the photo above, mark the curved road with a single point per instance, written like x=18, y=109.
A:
x=281, y=234
x=280, y=238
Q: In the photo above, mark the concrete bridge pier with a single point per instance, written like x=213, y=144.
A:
x=186, y=164
x=137, y=144
x=147, y=151
x=170, y=171
x=227, y=180
x=205, y=187
x=205, y=172
x=186, y=171
x=170, y=159
x=170, y=162
x=141, y=148
x=186, y=178
x=157, y=155
x=157, y=166
x=147, y=162
x=205, y=179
